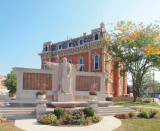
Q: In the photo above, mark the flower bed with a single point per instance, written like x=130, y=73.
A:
x=61, y=116
x=142, y=115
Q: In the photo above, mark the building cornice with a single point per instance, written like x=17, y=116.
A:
x=72, y=50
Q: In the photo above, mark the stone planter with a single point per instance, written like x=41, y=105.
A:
x=93, y=97
x=41, y=97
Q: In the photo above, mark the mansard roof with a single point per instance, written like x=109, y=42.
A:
x=96, y=35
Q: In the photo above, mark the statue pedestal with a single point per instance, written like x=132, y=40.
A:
x=63, y=97
x=40, y=108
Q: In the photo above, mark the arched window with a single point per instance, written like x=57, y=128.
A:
x=45, y=67
x=96, y=37
x=96, y=62
x=81, y=62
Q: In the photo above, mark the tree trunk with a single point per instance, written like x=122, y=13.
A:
x=136, y=89
x=135, y=98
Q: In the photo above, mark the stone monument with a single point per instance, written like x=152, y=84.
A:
x=64, y=91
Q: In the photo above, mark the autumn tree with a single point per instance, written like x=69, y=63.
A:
x=135, y=49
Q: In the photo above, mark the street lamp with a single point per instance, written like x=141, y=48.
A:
x=153, y=85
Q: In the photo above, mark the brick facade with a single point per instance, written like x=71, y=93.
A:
x=115, y=85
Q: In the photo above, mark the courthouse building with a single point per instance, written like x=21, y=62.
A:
x=86, y=50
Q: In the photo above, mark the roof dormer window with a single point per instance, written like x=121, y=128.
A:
x=96, y=37
x=46, y=49
x=70, y=44
x=60, y=47
x=81, y=42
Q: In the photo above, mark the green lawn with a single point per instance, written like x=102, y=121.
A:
x=139, y=125
x=8, y=126
x=130, y=103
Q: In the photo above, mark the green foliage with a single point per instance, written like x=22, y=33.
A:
x=146, y=94
x=2, y=118
x=147, y=82
x=131, y=114
x=41, y=92
x=88, y=111
x=59, y=122
x=75, y=117
x=64, y=117
x=152, y=113
x=147, y=99
x=11, y=82
x=143, y=114
x=48, y=119
x=126, y=47
x=59, y=112
x=88, y=120
x=122, y=116
x=97, y=118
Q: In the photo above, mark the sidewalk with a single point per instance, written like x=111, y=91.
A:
x=108, y=123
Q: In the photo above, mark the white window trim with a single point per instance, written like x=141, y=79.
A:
x=98, y=62
x=79, y=60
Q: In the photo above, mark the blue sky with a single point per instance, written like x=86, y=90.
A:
x=26, y=24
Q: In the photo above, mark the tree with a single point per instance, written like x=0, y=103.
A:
x=11, y=82
x=135, y=48
x=147, y=82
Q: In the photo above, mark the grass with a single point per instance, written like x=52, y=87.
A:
x=8, y=126
x=139, y=125
x=130, y=103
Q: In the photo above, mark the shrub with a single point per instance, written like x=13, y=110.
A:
x=131, y=114
x=148, y=99
x=48, y=119
x=59, y=122
x=76, y=117
x=152, y=113
x=122, y=116
x=88, y=111
x=59, y=112
x=96, y=118
x=88, y=120
x=2, y=118
x=143, y=114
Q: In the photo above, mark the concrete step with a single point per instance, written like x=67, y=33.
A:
x=29, y=112
x=18, y=113
x=114, y=109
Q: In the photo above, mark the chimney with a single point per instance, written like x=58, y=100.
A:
x=84, y=34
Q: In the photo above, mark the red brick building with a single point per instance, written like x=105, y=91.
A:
x=86, y=50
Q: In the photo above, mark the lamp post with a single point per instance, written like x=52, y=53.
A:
x=153, y=85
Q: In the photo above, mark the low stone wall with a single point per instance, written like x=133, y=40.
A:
x=125, y=99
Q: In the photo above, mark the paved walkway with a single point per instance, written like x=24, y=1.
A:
x=108, y=123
